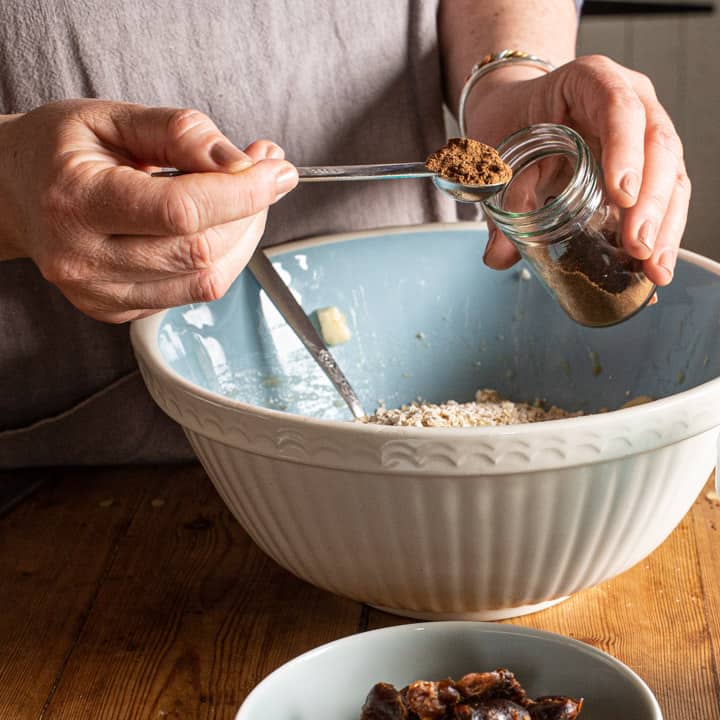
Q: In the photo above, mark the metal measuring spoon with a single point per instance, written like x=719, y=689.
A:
x=389, y=171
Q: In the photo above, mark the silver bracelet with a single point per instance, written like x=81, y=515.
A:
x=492, y=62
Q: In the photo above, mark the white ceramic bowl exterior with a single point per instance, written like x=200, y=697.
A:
x=481, y=523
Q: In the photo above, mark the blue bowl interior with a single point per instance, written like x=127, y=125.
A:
x=430, y=321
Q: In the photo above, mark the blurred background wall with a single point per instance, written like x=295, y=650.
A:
x=681, y=55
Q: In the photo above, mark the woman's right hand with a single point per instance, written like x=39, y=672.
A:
x=77, y=197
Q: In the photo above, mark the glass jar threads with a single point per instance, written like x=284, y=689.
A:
x=556, y=213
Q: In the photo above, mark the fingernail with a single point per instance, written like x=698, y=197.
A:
x=630, y=184
x=274, y=152
x=489, y=246
x=226, y=154
x=645, y=235
x=286, y=179
x=666, y=261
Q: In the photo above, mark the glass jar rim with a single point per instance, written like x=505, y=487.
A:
x=581, y=152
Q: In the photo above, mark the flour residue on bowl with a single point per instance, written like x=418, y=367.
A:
x=488, y=409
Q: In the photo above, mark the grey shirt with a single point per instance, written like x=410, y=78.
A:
x=329, y=80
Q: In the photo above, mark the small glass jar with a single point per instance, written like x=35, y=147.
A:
x=555, y=212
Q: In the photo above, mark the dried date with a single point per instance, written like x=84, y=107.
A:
x=431, y=700
x=383, y=703
x=555, y=707
x=494, y=695
x=497, y=683
x=492, y=709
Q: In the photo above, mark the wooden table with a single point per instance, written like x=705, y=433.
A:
x=133, y=593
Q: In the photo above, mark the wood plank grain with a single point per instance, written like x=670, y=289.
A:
x=16, y=487
x=54, y=549
x=191, y=615
x=662, y=618
x=134, y=593
x=652, y=618
x=706, y=525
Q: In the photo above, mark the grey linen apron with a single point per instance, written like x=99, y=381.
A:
x=330, y=80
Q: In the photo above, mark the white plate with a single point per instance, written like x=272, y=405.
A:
x=332, y=681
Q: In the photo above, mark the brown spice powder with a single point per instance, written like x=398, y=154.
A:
x=595, y=282
x=592, y=305
x=469, y=162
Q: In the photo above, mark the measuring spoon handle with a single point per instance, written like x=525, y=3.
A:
x=328, y=173
x=387, y=171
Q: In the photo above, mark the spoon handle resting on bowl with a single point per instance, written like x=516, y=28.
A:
x=270, y=281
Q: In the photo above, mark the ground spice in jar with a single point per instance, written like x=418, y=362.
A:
x=469, y=162
x=573, y=239
x=596, y=282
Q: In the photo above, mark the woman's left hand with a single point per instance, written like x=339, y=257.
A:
x=618, y=114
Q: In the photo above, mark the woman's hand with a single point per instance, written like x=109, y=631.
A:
x=618, y=114
x=77, y=198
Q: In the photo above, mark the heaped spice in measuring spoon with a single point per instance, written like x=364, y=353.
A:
x=469, y=162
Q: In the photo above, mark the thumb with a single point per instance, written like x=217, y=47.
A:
x=183, y=138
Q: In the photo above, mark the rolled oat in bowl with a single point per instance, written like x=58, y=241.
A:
x=488, y=409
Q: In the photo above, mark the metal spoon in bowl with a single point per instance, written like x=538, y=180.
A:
x=389, y=171
x=270, y=281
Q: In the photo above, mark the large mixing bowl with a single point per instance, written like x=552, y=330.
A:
x=480, y=523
